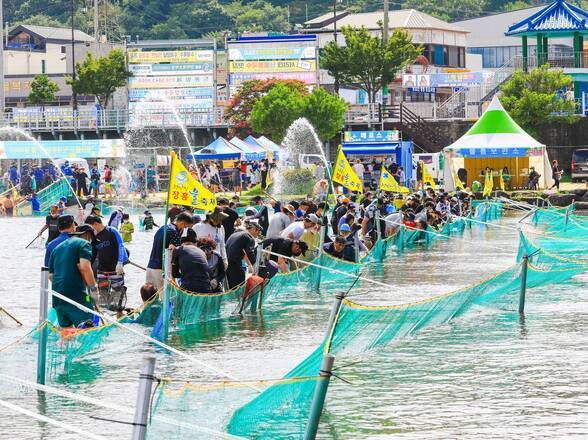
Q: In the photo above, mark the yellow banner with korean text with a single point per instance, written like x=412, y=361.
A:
x=344, y=174
x=185, y=190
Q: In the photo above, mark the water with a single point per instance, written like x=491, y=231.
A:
x=485, y=375
x=301, y=138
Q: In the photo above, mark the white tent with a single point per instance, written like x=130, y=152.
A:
x=496, y=141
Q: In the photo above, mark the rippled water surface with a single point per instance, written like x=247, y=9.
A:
x=485, y=375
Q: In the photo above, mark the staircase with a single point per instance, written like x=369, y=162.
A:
x=421, y=131
x=47, y=196
x=468, y=103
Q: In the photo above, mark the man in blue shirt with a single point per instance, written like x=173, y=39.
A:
x=65, y=225
x=173, y=235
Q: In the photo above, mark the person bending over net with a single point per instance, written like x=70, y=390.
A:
x=216, y=265
x=190, y=264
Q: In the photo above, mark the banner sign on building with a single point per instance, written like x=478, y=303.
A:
x=287, y=57
x=273, y=53
x=273, y=66
x=158, y=82
x=171, y=56
x=184, y=104
x=89, y=148
x=497, y=152
x=433, y=80
x=171, y=69
x=371, y=136
x=171, y=94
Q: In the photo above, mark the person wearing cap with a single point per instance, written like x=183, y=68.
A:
x=65, y=225
x=295, y=230
x=213, y=228
x=337, y=248
x=262, y=215
x=172, y=233
x=283, y=248
x=339, y=211
x=62, y=205
x=70, y=271
x=189, y=263
x=216, y=266
x=280, y=221
x=232, y=218
x=148, y=221
x=112, y=254
x=241, y=246
x=115, y=219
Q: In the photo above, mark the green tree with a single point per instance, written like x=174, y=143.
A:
x=334, y=61
x=275, y=112
x=249, y=92
x=325, y=112
x=368, y=61
x=42, y=90
x=100, y=76
x=532, y=98
x=259, y=15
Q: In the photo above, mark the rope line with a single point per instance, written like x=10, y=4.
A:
x=145, y=337
x=109, y=405
x=51, y=421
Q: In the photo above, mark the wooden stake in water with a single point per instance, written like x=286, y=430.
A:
x=43, y=307
x=524, y=266
x=143, y=398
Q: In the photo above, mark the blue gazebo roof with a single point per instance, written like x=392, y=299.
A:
x=557, y=19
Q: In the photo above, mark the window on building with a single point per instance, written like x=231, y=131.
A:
x=63, y=49
x=461, y=57
x=42, y=66
x=446, y=56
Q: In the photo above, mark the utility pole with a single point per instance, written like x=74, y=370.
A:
x=335, y=20
x=2, y=60
x=96, y=23
x=74, y=97
x=386, y=22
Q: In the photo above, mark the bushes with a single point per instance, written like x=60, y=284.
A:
x=297, y=181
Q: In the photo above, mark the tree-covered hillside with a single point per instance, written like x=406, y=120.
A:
x=197, y=18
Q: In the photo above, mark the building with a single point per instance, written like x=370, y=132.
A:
x=444, y=43
x=32, y=50
x=487, y=38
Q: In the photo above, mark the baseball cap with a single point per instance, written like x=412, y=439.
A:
x=82, y=229
x=312, y=218
x=65, y=221
x=344, y=200
x=253, y=224
x=345, y=228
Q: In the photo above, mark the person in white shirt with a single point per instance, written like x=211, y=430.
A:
x=280, y=221
x=296, y=229
x=213, y=228
x=359, y=169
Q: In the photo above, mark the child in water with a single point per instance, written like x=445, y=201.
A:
x=126, y=229
x=148, y=221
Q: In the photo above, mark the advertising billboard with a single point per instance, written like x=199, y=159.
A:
x=199, y=68
x=170, y=56
x=282, y=57
x=171, y=94
x=89, y=148
x=158, y=82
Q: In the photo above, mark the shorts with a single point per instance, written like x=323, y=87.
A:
x=70, y=316
x=155, y=277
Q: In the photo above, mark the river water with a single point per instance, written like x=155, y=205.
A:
x=485, y=375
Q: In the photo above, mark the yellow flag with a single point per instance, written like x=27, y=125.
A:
x=185, y=190
x=389, y=183
x=501, y=181
x=344, y=174
x=488, y=185
x=427, y=178
x=457, y=180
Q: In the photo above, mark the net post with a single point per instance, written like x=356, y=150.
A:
x=524, y=266
x=333, y=315
x=143, y=398
x=356, y=246
x=378, y=225
x=320, y=393
x=323, y=232
x=258, y=259
x=567, y=216
x=165, y=306
x=43, y=308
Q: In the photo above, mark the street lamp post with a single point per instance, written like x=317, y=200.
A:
x=74, y=97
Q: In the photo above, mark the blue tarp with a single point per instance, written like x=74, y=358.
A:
x=220, y=148
x=252, y=151
x=270, y=145
x=402, y=152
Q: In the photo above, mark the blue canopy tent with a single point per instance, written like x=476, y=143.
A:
x=220, y=148
x=269, y=145
x=400, y=150
x=252, y=152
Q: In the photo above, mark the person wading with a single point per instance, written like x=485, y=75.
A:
x=241, y=245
